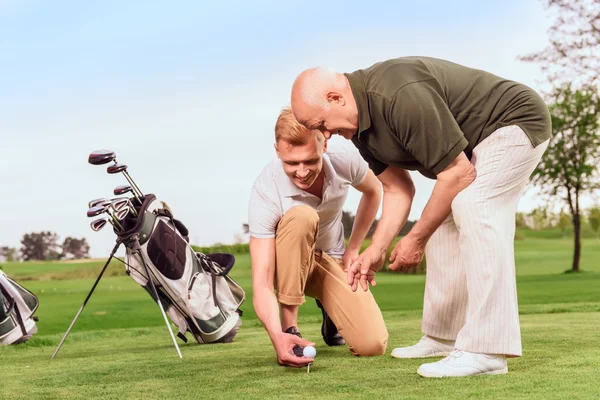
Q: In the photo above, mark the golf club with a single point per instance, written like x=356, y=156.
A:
x=101, y=157
x=120, y=190
x=98, y=224
x=97, y=210
x=116, y=168
x=95, y=202
x=121, y=214
x=120, y=203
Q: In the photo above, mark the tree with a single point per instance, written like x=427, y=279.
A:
x=574, y=50
x=9, y=253
x=594, y=218
x=540, y=218
x=564, y=221
x=569, y=168
x=77, y=248
x=40, y=246
x=521, y=220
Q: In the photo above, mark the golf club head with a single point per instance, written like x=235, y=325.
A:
x=98, y=224
x=119, y=190
x=121, y=214
x=96, y=202
x=119, y=204
x=100, y=157
x=116, y=168
x=95, y=211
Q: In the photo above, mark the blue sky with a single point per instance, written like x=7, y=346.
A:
x=187, y=92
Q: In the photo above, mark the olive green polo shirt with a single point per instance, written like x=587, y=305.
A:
x=420, y=113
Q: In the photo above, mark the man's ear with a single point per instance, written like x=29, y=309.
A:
x=335, y=97
x=276, y=150
x=325, y=145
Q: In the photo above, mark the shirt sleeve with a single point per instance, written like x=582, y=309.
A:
x=422, y=120
x=358, y=168
x=374, y=164
x=263, y=215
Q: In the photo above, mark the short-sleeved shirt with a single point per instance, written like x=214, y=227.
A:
x=274, y=193
x=420, y=113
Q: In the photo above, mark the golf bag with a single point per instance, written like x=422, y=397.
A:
x=195, y=289
x=17, y=306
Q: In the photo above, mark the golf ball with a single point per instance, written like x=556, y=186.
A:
x=309, y=352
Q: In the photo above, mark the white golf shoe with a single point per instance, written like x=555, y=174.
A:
x=426, y=347
x=462, y=363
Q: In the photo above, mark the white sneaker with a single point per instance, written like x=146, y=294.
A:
x=462, y=363
x=427, y=347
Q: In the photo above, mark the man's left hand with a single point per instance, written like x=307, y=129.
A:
x=407, y=254
x=349, y=257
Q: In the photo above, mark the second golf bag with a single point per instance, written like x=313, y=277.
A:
x=17, y=305
x=195, y=289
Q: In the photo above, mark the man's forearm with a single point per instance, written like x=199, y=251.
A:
x=267, y=310
x=439, y=205
x=365, y=215
x=395, y=211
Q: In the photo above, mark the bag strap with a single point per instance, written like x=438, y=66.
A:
x=13, y=307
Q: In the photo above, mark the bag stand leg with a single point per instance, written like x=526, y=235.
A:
x=87, y=298
x=155, y=292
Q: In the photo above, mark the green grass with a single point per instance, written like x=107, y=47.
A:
x=120, y=349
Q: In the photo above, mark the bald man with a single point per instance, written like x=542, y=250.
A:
x=480, y=137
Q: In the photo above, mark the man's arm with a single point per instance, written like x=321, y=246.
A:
x=398, y=194
x=450, y=182
x=367, y=210
x=262, y=252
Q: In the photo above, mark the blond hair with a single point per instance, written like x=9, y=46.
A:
x=287, y=128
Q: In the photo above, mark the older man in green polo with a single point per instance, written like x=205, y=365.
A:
x=480, y=136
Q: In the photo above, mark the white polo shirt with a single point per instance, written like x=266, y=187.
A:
x=274, y=193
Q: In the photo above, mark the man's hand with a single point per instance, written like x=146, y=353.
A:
x=284, y=343
x=407, y=254
x=349, y=257
x=364, y=267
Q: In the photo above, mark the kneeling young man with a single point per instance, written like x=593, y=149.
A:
x=297, y=241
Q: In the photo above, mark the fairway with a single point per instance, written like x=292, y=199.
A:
x=120, y=348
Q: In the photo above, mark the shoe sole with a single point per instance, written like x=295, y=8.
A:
x=495, y=372
x=440, y=354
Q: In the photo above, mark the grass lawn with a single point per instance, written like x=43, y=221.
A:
x=120, y=349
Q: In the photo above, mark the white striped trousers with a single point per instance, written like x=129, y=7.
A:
x=470, y=290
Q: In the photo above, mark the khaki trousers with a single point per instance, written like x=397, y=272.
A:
x=301, y=270
x=470, y=290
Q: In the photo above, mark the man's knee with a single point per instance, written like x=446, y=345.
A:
x=301, y=219
x=370, y=347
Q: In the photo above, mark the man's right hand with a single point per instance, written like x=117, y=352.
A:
x=364, y=267
x=284, y=344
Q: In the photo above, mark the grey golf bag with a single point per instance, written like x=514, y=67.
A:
x=17, y=306
x=195, y=289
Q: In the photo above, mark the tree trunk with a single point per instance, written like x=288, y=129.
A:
x=577, y=252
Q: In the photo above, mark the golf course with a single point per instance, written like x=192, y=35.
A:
x=120, y=348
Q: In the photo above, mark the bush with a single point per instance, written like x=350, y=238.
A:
x=224, y=248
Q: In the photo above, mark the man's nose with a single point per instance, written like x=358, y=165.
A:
x=327, y=134
x=302, y=171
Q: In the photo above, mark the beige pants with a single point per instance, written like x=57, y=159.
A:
x=470, y=291
x=301, y=270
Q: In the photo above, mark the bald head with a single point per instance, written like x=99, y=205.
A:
x=318, y=93
x=311, y=86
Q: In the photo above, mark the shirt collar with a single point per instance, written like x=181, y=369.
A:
x=360, y=96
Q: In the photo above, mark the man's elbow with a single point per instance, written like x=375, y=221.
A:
x=461, y=174
x=469, y=174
